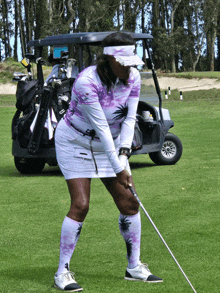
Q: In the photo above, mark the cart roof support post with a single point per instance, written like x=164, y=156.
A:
x=151, y=65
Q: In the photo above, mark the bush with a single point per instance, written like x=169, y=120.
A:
x=7, y=68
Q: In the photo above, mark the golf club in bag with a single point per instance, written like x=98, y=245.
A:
x=149, y=218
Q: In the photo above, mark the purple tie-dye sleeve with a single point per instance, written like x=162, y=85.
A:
x=135, y=91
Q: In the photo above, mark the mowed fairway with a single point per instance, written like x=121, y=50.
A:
x=183, y=200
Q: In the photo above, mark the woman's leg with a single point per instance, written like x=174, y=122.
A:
x=79, y=190
x=80, y=194
x=123, y=198
x=130, y=228
x=129, y=219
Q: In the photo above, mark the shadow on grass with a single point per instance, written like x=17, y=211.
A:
x=43, y=276
x=11, y=171
x=42, y=279
x=134, y=165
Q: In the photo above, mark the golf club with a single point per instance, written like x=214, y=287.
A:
x=149, y=218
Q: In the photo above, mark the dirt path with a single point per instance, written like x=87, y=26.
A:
x=8, y=88
x=185, y=84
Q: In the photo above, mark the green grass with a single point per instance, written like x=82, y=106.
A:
x=190, y=75
x=7, y=100
x=183, y=201
x=211, y=96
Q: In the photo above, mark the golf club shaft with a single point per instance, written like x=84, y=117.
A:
x=164, y=242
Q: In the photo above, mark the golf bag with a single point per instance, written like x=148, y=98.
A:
x=25, y=104
x=26, y=90
x=38, y=112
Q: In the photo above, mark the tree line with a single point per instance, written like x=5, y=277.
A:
x=186, y=32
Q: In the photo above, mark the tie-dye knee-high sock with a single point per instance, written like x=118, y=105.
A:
x=70, y=233
x=130, y=228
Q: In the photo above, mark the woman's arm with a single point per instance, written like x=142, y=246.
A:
x=127, y=127
x=98, y=120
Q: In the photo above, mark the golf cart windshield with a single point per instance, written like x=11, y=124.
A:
x=148, y=91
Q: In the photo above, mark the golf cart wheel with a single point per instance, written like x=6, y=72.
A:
x=170, y=153
x=29, y=165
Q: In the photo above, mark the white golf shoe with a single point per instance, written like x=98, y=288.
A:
x=141, y=273
x=67, y=282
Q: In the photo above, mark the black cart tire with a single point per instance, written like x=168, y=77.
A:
x=29, y=165
x=170, y=153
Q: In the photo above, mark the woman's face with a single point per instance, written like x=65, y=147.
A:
x=119, y=70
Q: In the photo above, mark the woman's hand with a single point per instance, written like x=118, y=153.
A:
x=124, y=178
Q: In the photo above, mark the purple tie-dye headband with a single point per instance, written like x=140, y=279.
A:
x=125, y=55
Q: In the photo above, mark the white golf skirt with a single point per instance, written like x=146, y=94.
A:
x=74, y=156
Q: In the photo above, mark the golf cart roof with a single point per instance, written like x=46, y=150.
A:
x=92, y=38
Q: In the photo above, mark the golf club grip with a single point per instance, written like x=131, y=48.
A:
x=133, y=193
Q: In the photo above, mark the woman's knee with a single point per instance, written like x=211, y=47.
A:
x=128, y=206
x=127, y=203
x=80, y=206
x=78, y=211
x=80, y=195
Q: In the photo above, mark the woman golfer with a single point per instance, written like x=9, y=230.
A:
x=94, y=141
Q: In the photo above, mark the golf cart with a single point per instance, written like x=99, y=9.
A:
x=41, y=105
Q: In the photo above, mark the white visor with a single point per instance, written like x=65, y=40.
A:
x=124, y=55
